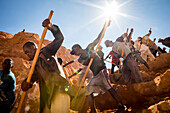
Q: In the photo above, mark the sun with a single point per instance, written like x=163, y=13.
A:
x=111, y=9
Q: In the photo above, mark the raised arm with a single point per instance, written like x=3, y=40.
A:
x=147, y=35
x=129, y=36
x=96, y=41
x=121, y=38
x=53, y=47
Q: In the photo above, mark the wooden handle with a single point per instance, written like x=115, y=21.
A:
x=34, y=62
x=123, y=49
x=66, y=74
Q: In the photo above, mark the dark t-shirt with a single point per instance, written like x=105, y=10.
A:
x=47, y=71
x=97, y=64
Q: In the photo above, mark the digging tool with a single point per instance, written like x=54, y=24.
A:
x=66, y=74
x=73, y=102
x=123, y=49
x=34, y=62
x=118, y=75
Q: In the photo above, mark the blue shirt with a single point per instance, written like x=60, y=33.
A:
x=7, y=83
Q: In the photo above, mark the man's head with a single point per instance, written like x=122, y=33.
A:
x=29, y=49
x=139, y=38
x=160, y=40
x=7, y=64
x=108, y=43
x=76, y=48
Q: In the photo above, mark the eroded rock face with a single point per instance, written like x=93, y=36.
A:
x=156, y=85
x=11, y=47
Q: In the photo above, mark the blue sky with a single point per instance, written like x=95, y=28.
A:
x=74, y=17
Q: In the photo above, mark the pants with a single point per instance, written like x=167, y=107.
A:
x=98, y=83
x=130, y=67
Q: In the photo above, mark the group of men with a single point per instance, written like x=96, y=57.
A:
x=48, y=71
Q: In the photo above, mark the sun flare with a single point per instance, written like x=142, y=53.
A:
x=111, y=10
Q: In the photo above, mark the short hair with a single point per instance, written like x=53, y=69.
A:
x=76, y=45
x=29, y=44
x=139, y=37
x=106, y=42
x=10, y=60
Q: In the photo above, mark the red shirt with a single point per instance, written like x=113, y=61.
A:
x=114, y=57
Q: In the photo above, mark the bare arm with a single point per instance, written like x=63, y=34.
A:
x=147, y=35
x=130, y=35
x=52, y=48
x=96, y=41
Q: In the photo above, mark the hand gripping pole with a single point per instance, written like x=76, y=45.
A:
x=34, y=62
x=91, y=60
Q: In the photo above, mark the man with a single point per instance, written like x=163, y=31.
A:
x=165, y=41
x=48, y=72
x=151, y=44
x=115, y=60
x=99, y=80
x=145, y=52
x=129, y=64
x=7, y=87
x=134, y=52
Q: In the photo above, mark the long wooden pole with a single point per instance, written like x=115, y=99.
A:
x=123, y=49
x=91, y=60
x=66, y=74
x=34, y=62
